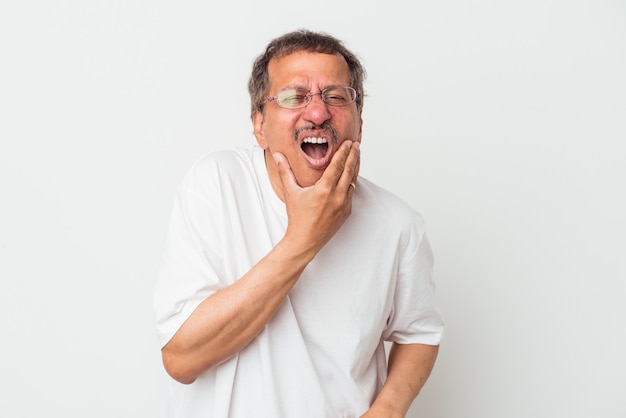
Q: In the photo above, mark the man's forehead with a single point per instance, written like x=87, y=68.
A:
x=307, y=62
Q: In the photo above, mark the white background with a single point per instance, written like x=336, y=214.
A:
x=503, y=123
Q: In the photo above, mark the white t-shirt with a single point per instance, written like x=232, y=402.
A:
x=322, y=354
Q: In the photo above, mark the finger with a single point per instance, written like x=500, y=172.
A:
x=353, y=183
x=333, y=173
x=357, y=167
x=351, y=171
x=287, y=178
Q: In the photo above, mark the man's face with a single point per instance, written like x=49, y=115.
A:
x=309, y=136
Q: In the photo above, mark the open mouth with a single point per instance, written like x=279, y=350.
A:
x=315, y=148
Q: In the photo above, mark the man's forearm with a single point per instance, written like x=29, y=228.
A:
x=409, y=368
x=228, y=320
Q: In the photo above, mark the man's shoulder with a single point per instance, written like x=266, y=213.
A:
x=384, y=206
x=375, y=195
x=225, y=159
x=223, y=162
x=222, y=169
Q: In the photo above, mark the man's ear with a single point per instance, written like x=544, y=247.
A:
x=257, y=124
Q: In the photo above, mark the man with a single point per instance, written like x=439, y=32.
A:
x=284, y=271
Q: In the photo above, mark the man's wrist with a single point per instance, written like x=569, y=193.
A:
x=381, y=408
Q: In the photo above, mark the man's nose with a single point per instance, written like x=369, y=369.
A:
x=317, y=110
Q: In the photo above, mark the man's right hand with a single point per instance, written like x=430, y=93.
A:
x=317, y=212
x=225, y=322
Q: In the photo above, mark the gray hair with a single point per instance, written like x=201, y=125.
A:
x=297, y=41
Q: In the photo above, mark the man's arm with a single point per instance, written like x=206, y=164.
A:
x=225, y=322
x=409, y=368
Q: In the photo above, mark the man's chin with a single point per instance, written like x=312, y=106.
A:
x=309, y=177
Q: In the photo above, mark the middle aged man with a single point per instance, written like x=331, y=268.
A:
x=284, y=271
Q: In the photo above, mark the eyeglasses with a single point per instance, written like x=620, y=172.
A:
x=298, y=98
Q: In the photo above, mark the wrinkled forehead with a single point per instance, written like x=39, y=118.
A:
x=302, y=68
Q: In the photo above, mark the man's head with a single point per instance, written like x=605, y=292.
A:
x=298, y=41
x=307, y=97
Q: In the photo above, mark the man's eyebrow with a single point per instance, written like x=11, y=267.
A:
x=294, y=86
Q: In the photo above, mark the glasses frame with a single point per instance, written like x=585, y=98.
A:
x=309, y=97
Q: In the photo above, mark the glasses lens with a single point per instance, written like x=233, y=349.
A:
x=339, y=95
x=333, y=96
x=292, y=98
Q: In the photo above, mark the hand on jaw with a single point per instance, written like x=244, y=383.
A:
x=225, y=322
x=317, y=212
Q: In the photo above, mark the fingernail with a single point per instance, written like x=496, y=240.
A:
x=357, y=145
x=276, y=158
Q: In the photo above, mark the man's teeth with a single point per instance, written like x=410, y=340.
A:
x=315, y=140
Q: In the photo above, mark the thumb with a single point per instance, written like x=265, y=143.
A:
x=287, y=177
